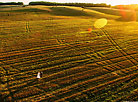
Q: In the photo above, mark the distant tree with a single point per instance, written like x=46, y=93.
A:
x=11, y=3
x=20, y=3
x=69, y=4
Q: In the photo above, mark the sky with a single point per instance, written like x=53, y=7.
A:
x=112, y=2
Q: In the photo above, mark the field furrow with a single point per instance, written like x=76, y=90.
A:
x=80, y=61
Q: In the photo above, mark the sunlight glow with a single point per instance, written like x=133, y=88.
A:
x=131, y=15
x=100, y=23
x=89, y=29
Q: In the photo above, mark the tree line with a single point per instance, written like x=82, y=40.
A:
x=70, y=4
x=58, y=4
x=11, y=3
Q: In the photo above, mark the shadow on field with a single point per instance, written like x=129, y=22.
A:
x=57, y=11
x=60, y=11
x=93, y=12
x=29, y=10
x=63, y=11
x=1, y=98
x=8, y=6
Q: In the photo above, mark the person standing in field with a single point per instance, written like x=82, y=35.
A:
x=39, y=75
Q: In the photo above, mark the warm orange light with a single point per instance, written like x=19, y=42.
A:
x=89, y=29
x=122, y=12
x=128, y=12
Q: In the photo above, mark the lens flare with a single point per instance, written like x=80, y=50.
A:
x=100, y=23
x=127, y=13
x=89, y=29
x=122, y=12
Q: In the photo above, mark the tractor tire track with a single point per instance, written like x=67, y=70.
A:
x=28, y=27
x=124, y=53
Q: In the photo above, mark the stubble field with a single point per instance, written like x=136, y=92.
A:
x=77, y=65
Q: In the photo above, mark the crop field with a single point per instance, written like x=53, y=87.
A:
x=78, y=65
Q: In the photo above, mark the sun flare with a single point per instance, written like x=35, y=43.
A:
x=100, y=23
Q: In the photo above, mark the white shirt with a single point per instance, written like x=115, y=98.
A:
x=38, y=75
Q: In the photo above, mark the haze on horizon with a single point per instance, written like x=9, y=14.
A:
x=112, y=2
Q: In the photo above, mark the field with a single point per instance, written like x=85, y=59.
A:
x=77, y=65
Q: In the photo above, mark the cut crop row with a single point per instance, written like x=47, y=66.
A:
x=115, y=81
x=58, y=68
